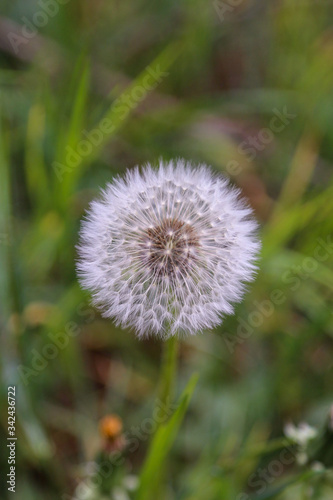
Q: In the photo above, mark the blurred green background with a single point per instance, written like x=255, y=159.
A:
x=245, y=86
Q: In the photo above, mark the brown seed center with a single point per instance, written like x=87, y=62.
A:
x=170, y=247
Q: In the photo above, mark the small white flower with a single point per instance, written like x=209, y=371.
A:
x=301, y=434
x=131, y=482
x=167, y=251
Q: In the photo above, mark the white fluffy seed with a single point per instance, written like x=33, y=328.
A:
x=174, y=265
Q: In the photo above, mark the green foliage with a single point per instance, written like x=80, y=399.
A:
x=161, y=444
x=247, y=89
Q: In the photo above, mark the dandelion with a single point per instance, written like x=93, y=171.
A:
x=168, y=251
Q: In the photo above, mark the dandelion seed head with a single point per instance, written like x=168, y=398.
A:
x=167, y=251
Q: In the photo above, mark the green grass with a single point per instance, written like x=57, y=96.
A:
x=221, y=82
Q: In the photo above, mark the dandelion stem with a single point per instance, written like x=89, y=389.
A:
x=165, y=397
x=168, y=371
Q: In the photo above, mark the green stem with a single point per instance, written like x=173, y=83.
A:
x=168, y=371
x=165, y=396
